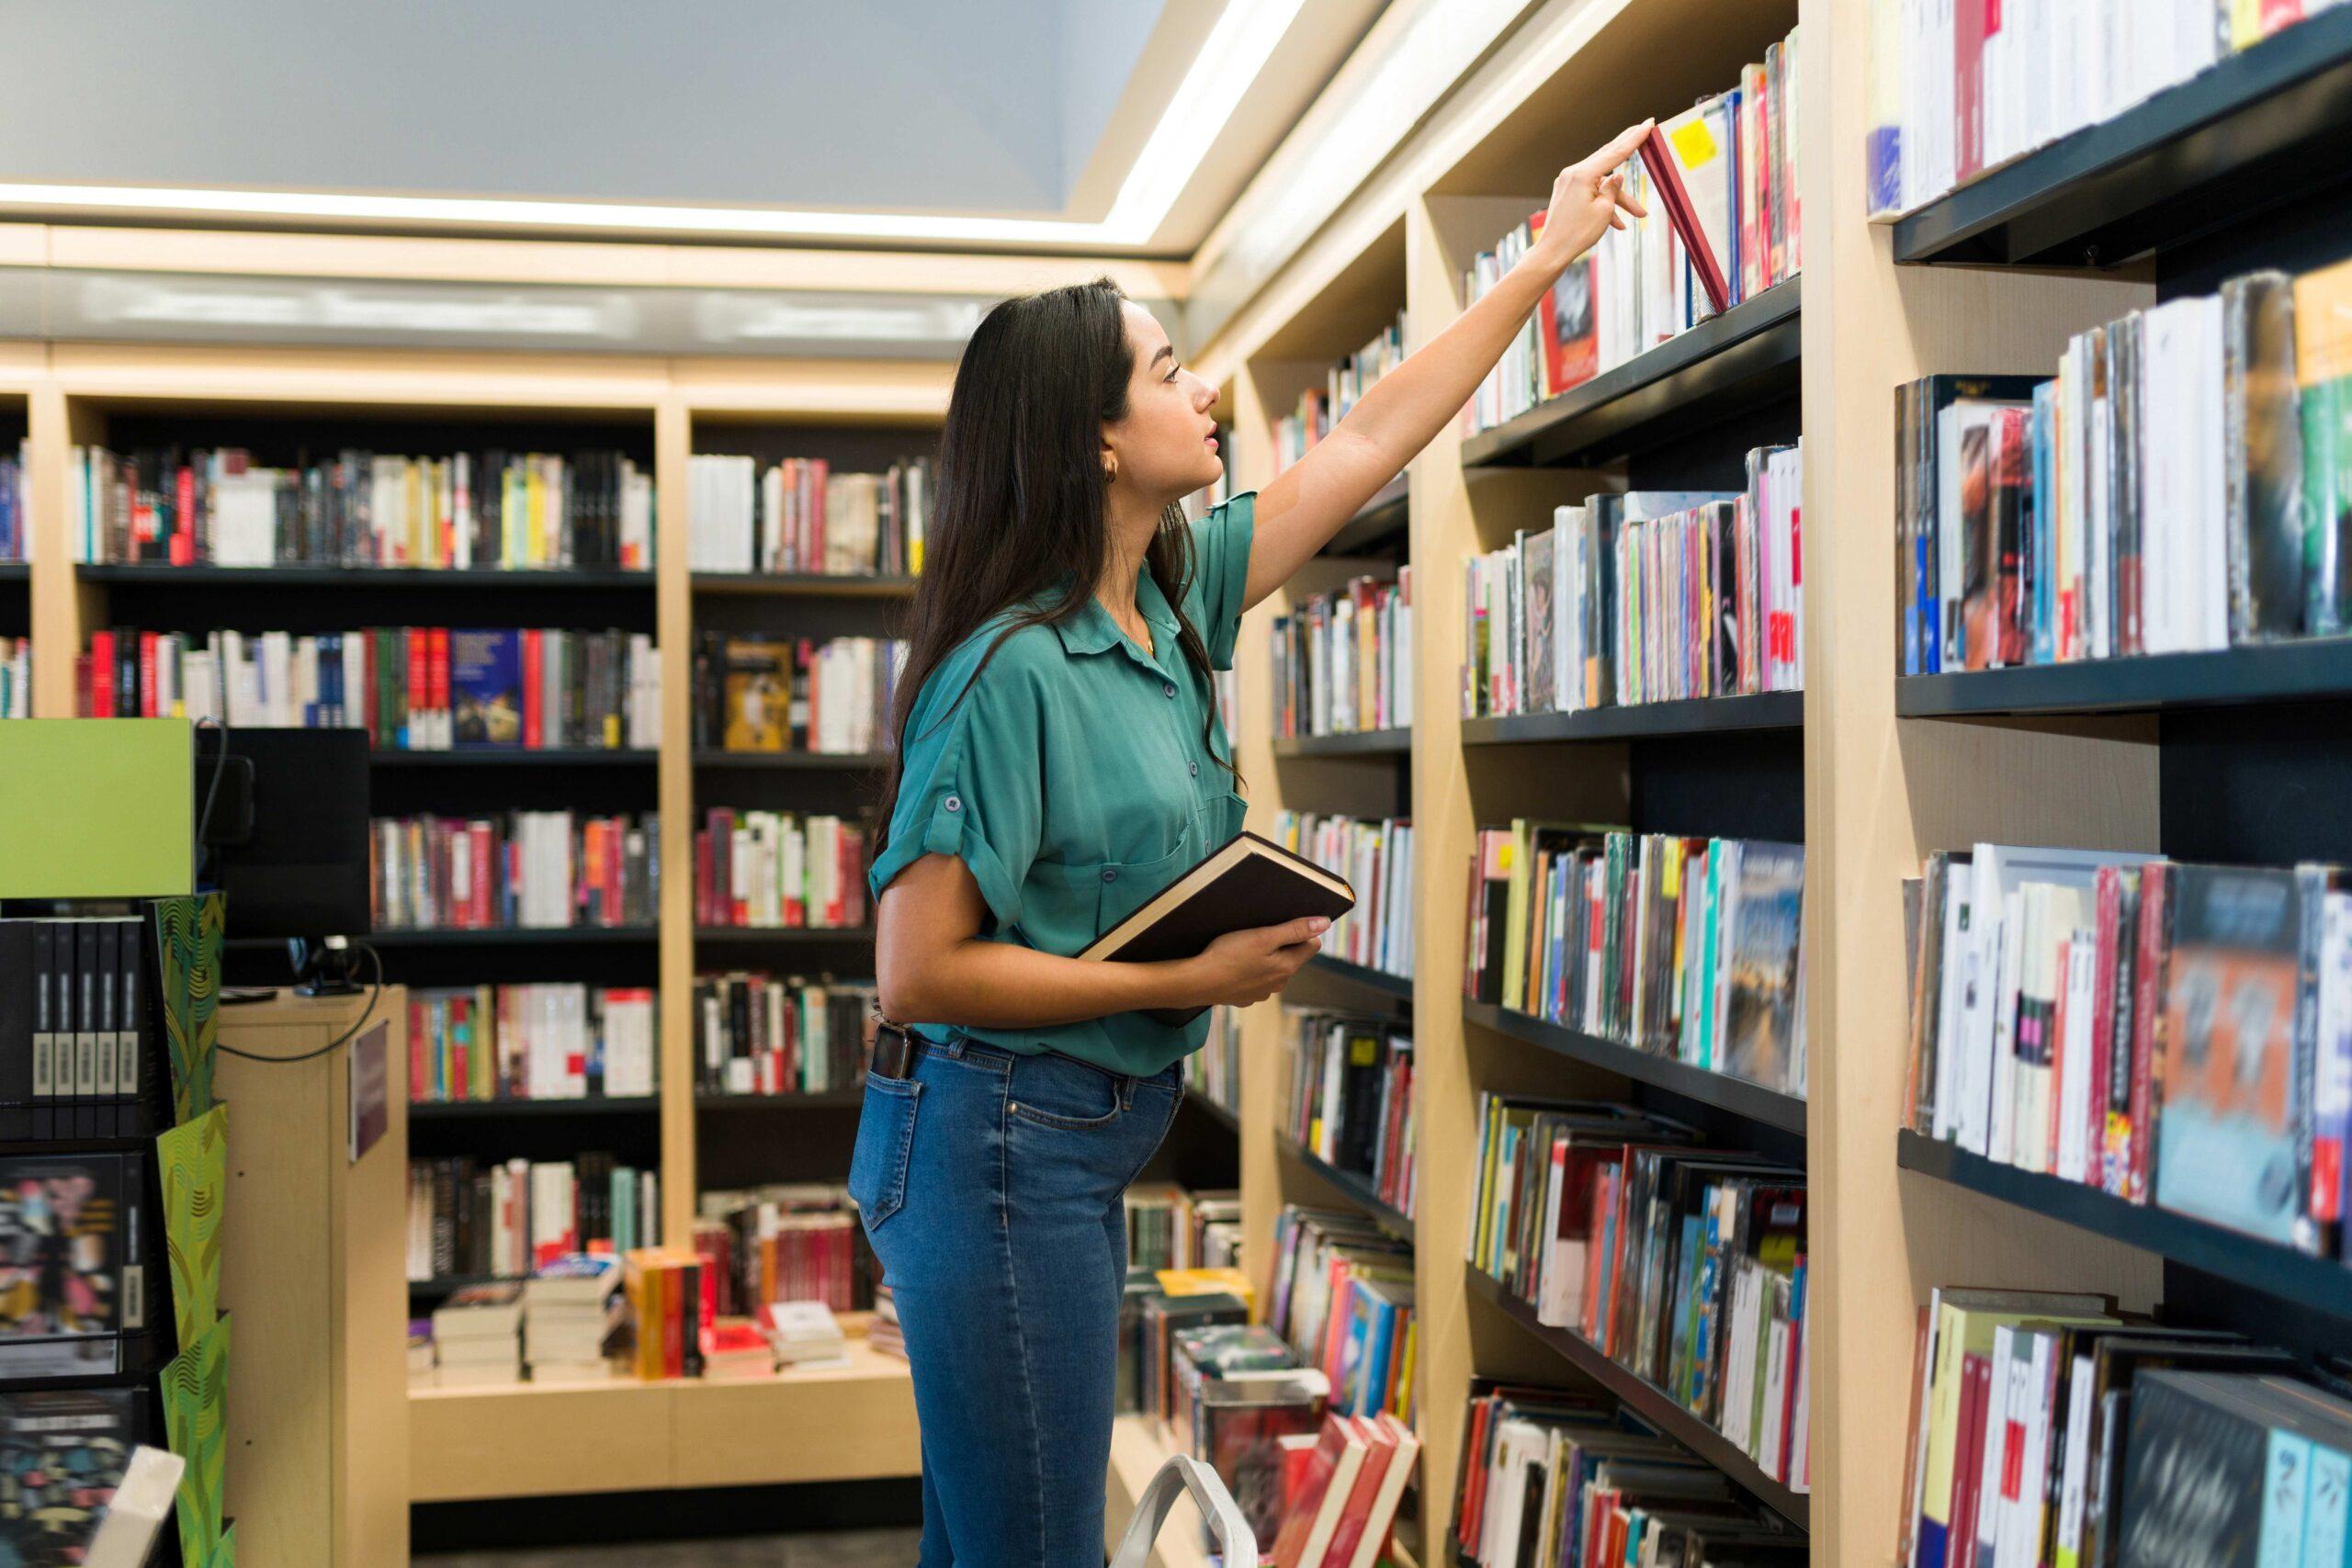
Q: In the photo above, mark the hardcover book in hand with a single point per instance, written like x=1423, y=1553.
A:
x=1247, y=881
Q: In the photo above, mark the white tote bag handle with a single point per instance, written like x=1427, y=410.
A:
x=1236, y=1543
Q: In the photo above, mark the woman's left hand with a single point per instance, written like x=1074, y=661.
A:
x=1588, y=200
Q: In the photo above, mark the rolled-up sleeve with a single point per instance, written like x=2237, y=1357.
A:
x=1221, y=574
x=972, y=786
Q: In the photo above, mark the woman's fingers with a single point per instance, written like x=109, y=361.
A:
x=1628, y=142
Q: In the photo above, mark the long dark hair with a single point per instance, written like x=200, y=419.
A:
x=1021, y=497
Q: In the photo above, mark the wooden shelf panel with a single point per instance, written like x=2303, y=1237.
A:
x=1358, y=1189
x=2262, y=128
x=372, y=578
x=1745, y=356
x=534, y=1439
x=783, y=936
x=1362, y=743
x=709, y=757
x=830, y=1099
x=1380, y=526
x=1769, y=1107
x=1357, y=973
x=1693, y=716
x=1649, y=1402
x=2311, y=670
x=2320, y=1283
x=804, y=585
x=501, y=1110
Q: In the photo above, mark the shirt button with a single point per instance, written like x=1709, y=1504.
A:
x=1168, y=691
x=1109, y=875
x=953, y=803
x=1193, y=768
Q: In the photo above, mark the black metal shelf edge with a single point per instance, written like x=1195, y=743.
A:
x=831, y=1099
x=450, y=1283
x=363, y=576
x=1651, y=1403
x=1756, y=340
x=15, y=571
x=1752, y=1101
x=2321, y=1283
x=1358, y=1189
x=2253, y=131
x=783, y=935
x=517, y=757
x=512, y=936
x=1224, y=1117
x=1690, y=716
x=709, y=757
x=846, y=584
x=1362, y=743
x=1379, y=980
x=498, y=1110
x=2313, y=669
x=1380, y=522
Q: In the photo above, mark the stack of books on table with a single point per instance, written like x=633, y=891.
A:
x=734, y=1347
x=885, y=1333
x=566, y=1313
x=805, y=1333
x=477, y=1337
x=420, y=1351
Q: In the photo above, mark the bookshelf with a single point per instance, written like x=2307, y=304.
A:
x=1358, y=1189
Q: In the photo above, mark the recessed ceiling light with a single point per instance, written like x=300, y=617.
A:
x=1229, y=62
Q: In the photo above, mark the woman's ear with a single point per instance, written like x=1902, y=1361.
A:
x=1110, y=463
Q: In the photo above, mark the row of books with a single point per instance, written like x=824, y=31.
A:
x=535, y=1041
x=783, y=1242
x=509, y=1217
x=15, y=677
x=1691, y=948
x=1957, y=90
x=1348, y=1098
x=1555, y=1477
x=2052, y=1428
x=1343, y=661
x=1340, y=1491
x=799, y=516
x=412, y=688
x=1376, y=857
x=1342, y=1296
x=1169, y=1227
x=779, y=869
x=2182, y=484
x=767, y=1034
x=1684, y=1264
x=186, y=506
x=1320, y=409
x=70, y=1452
x=2167, y=1032
x=74, y=1011
x=1735, y=153
x=667, y=1292
x=1213, y=1073
x=16, y=514
x=544, y=870
x=802, y=694
x=1641, y=597
x=81, y=1264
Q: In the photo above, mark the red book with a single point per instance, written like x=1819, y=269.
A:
x=414, y=695
x=1973, y=20
x=2108, y=882
x=533, y=709
x=673, y=1322
x=440, y=671
x=2146, y=1011
x=1356, y=1514
x=1307, y=1528
x=101, y=703
x=182, y=542
x=1665, y=184
x=147, y=694
x=1968, y=1460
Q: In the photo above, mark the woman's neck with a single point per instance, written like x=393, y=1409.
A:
x=1132, y=526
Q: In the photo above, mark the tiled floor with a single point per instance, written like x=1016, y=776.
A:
x=850, y=1549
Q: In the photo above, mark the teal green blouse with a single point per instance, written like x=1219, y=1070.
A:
x=1071, y=778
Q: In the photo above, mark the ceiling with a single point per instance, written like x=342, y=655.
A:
x=1001, y=109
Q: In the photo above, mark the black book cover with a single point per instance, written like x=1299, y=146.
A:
x=2192, y=1478
x=1261, y=886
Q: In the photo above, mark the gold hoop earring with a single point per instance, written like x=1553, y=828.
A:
x=1110, y=474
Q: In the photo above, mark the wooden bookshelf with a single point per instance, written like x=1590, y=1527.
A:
x=1691, y=716
x=793, y=761
x=1358, y=1189
x=503, y=1110
x=1382, y=523
x=518, y=757
x=1361, y=974
x=1751, y=1102
x=2318, y=669
x=1358, y=743
x=422, y=580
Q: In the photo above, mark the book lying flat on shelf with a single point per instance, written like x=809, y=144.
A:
x=1247, y=881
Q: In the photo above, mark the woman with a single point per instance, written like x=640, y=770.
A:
x=1058, y=762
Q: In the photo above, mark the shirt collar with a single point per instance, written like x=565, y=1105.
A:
x=1091, y=629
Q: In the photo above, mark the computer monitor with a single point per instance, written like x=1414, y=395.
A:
x=287, y=838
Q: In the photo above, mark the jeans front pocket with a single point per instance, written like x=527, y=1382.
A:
x=1053, y=1090
x=885, y=1141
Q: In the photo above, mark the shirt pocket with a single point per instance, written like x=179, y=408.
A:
x=1217, y=819
x=1084, y=900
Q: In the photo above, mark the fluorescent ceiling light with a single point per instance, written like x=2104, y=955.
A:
x=1231, y=57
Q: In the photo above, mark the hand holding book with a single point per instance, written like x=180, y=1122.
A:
x=1587, y=199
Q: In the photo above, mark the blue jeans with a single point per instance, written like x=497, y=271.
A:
x=992, y=1188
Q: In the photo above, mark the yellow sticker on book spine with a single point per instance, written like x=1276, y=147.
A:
x=1694, y=144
